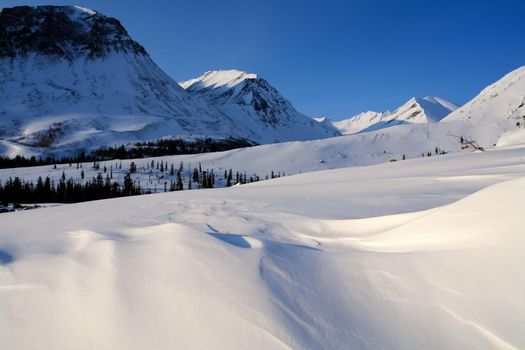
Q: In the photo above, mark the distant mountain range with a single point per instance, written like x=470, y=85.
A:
x=73, y=79
x=429, y=109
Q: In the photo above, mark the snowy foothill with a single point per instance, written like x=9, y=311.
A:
x=424, y=253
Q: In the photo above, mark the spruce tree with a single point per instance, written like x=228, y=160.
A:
x=179, y=186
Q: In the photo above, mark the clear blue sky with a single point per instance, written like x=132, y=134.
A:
x=332, y=58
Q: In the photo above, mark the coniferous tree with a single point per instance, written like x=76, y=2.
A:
x=195, y=175
x=129, y=187
x=179, y=185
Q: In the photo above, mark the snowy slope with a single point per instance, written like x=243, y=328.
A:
x=410, y=140
x=495, y=110
x=253, y=103
x=429, y=109
x=359, y=122
x=327, y=123
x=303, y=262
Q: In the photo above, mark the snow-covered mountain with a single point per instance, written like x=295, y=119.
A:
x=429, y=109
x=252, y=102
x=72, y=78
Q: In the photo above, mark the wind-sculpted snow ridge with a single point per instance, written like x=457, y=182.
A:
x=252, y=101
x=400, y=255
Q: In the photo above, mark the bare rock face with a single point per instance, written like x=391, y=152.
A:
x=65, y=31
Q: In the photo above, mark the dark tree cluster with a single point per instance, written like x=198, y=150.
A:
x=164, y=147
x=169, y=147
x=65, y=191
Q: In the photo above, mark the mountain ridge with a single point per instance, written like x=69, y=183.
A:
x=248, y=98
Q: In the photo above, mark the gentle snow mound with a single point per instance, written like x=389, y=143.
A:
x=264, y=266
x=512, y=138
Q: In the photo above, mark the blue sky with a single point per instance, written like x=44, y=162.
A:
x=332, y=58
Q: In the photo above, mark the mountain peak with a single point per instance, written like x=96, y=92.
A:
x=426, y=109
x=250, y=100
x=63, y=31
x=218, y=78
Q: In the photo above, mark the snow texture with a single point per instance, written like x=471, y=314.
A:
x=404, y=255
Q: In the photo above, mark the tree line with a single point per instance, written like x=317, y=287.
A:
x=65, y=191
x=157, y=148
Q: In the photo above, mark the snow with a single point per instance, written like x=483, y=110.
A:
x=359, y=122
x=218, y=78
x=85, y=10
x=512, y=138
x=495, y=110
x=425, y=253
x=359, y=249
x=124, y=97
